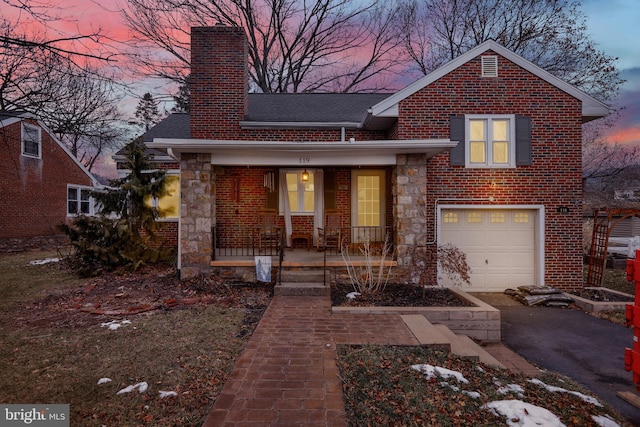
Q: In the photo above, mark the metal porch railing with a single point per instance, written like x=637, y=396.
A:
x=243, y=241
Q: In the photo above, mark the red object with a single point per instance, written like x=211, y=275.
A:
x=632, y=355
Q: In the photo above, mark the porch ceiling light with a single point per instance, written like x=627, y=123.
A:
x=305, y=176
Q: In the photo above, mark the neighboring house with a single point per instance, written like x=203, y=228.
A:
x=484, y=153
x=42, y=184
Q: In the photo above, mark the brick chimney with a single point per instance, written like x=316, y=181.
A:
x=218, y=82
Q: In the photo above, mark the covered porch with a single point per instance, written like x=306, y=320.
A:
x=226, y=186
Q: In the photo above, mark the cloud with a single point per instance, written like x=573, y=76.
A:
x=625, y=135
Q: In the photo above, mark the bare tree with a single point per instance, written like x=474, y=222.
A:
x=294, y=46
x=607, y=164
x=86, y=117
x=24, y=72
x=44, y=13
x=552, y=34
x=77, y=102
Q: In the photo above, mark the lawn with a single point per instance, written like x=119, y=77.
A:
x=54, y=350
x=180, y=340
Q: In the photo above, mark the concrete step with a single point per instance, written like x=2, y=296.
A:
x=302, y=276
x=464, y=346
x=301, y=289
x=425, y=332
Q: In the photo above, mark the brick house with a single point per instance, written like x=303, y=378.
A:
x=484, y=153
x=41, y=183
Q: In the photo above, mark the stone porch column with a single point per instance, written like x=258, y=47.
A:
x=195, y=214
x=410, y=205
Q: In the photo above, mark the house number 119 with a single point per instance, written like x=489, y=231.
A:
x=305, y=160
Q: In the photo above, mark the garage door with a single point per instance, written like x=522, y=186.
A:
x=500, y=246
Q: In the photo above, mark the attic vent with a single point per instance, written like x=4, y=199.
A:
x=489, y=66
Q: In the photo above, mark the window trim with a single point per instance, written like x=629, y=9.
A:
x=298, y=172
x=489, y=146
x=79, y=189
x=38, y=143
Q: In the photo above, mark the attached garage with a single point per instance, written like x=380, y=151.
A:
x=502, y=245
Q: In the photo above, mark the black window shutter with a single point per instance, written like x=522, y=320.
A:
x=456, y=133
x=330, y=189
x=272, y=196
x=523, y=141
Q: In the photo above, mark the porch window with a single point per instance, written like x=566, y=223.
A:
x=491, y=141
x=169, y=204
x=79, y=201
x=301, y=193
x=31, y=141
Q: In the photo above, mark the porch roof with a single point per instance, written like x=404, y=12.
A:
x=303, y=154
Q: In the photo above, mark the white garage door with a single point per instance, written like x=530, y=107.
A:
x=500, y=246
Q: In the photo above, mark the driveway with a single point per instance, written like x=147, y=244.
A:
x=573, y=343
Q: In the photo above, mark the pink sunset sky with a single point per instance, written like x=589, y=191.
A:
x=613, y=25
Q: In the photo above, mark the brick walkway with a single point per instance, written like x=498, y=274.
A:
x=287, y=375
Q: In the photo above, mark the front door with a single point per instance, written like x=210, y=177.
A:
x=368, y=205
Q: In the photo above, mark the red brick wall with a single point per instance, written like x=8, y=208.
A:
x=166, y=234
x=219, y=83
x=33, y=192
x=553, y=179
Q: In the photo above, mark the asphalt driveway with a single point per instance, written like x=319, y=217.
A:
x=573, y=343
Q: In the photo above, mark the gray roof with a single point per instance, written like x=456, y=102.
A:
x=311, y=107
x=175, y=125
x=284, y=107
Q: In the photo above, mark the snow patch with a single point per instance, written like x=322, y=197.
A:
x=142, y=387
x=43, y=261
x=353, y=295
x=104, y=380
x=519, y=413
x=164, y=394
x=515, y=388
x=452, y=387
x=115, y=324
x=472, y=394
x=431, y=371
x=604, y=421
x=588, y=399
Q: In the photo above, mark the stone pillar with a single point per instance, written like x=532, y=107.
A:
x=195, y=214
x=410, y=205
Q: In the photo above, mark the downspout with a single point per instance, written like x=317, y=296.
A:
x=446, y=199
x=179, y=263
x=343, y=134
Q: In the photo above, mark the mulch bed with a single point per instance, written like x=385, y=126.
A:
x=397, y=295
x=602, y=295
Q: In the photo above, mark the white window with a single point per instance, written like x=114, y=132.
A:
x=79, y=201
x=451, y=217
x=300, y=192
x=474, y=217
x=31, y=141
x=490, y=141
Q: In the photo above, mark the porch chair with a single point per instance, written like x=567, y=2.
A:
x=268, y=230
x=331, y=235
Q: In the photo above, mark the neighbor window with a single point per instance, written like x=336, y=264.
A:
x=301, y=193
x=79, y=201
x=490, y=141
x=31, y=141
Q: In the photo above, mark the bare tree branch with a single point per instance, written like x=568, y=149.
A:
x=294, y=46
